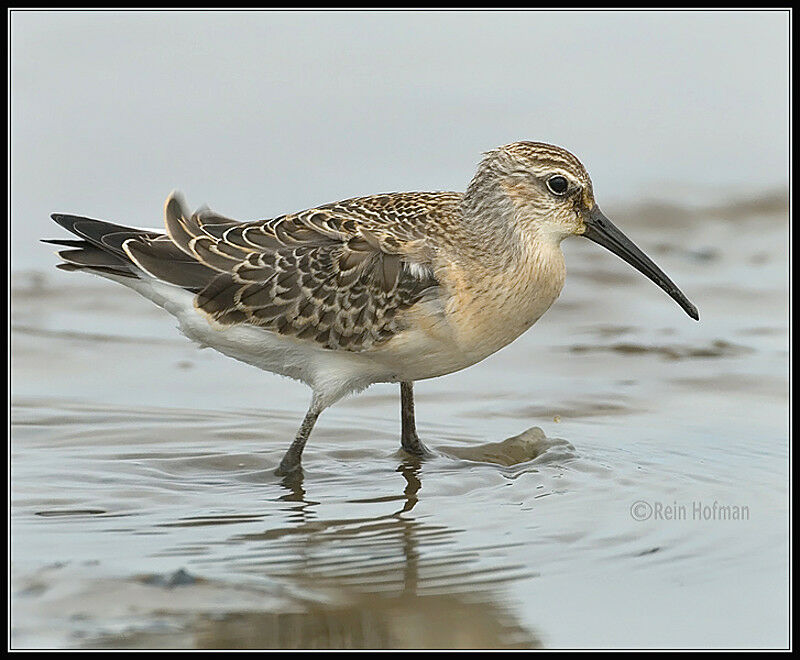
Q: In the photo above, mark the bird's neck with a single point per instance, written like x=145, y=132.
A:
x=506, y=233
x=504, y=272
x=493, y=300
x=487, y=220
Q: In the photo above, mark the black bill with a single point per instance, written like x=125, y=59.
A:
x=603, y=232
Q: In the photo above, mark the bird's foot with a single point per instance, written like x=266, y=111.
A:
x=289, y=465
x=414, y=446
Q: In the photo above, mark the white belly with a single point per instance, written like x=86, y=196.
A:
x=442, y=335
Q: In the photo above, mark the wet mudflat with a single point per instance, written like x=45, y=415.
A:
x=615, y=477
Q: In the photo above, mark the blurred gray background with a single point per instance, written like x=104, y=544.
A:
x=139, y=459
x=258, y=114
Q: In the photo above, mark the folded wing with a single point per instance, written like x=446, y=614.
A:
x=335, y=275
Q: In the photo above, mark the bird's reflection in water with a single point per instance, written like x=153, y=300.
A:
x=380, y=591
x=293, y=483
x=410, y=468
x=371, y=622
x=368, y=622
x=345, y=572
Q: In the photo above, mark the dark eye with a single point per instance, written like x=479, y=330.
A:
x=558, y=185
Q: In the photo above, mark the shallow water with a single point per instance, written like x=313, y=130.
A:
x=616, y=477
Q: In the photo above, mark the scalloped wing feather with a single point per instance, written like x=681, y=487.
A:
x=337, y=274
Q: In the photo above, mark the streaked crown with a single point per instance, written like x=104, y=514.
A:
x=538, y=158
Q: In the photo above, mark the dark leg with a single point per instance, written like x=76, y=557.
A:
x=409, y=439
x=291, y=459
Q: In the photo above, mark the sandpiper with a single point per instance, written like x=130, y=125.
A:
x=394, y=287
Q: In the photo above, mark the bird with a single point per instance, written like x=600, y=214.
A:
x=386, y=288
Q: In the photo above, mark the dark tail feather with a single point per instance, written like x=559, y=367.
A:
x=67, y=242
x=99, y=248
x=91, y=256
x=88, y=257
x=101, y=234
x=98, y=269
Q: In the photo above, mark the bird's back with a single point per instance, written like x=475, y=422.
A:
x=336, y=275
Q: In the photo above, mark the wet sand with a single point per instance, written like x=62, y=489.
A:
x=570, y=502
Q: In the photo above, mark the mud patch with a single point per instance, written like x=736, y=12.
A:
x=532, y=445
x=719, y=348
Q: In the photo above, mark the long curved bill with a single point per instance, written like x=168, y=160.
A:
x=603, y=232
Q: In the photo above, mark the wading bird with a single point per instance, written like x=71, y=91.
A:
x=395, y=287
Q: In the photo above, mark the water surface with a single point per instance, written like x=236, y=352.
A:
x=616, y=477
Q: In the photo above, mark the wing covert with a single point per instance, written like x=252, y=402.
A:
x=327, y=275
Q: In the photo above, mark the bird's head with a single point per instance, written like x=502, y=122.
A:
x=547, y=194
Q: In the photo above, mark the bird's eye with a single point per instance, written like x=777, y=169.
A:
x=558, y=185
